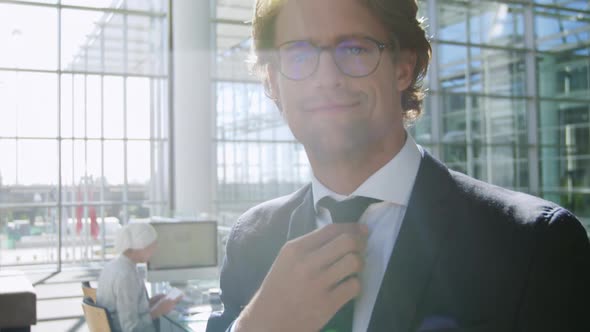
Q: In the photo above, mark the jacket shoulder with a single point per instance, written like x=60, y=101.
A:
x=518, y=207
x=267, y=218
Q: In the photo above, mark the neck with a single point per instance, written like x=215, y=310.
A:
x=343, y=173
x=131, y=256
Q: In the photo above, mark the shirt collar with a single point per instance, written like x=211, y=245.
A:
x=391, y=183
x=126, y=260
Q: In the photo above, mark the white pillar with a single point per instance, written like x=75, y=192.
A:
x=194, y=158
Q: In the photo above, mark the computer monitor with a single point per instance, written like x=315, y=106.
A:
x=187, y=250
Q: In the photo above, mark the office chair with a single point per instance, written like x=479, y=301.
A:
x=88, y=290
x=97, y=317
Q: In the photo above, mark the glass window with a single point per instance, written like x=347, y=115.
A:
x=114, y=103
x=26, y=32
x=481, y=98
x=138, y=163
x=497, y=23
x=138, y=107
x=564, y=75
x=452, y=21
x=29, y=95
x=114, y=162
x=82, y=119
x=558, y=29
x=8, y=164
x=482, y=70
x=36, y=162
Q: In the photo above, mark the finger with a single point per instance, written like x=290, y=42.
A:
x=345, y=291
x=332, y=251
x=348, y=266
x=319, y=237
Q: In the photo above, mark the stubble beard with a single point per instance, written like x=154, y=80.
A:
x=351, y=145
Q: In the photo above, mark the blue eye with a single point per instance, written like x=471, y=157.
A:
x=300, y=57
x=355, y=50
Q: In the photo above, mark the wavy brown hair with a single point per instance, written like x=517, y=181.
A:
x=399, y=18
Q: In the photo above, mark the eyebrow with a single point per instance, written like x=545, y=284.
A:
x=335, y=41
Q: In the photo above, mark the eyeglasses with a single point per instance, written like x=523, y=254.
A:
x=354, y=56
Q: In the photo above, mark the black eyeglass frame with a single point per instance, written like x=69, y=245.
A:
x=380, y=46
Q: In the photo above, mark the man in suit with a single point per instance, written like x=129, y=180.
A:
x=386, y=238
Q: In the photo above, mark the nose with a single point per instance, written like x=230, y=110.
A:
x=327, y=74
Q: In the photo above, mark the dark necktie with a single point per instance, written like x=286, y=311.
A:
x=349, y=210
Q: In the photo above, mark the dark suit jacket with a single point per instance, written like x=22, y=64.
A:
x=469, y=257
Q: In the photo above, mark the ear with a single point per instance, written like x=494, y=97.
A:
x=405, y=69
x=271, y=85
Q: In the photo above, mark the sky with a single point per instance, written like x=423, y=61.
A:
x=29, y=103
x=29, y=100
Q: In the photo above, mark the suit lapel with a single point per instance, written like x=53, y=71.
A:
x=424, y=228
x=302, y=219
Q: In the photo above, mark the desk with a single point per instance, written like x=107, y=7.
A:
x=193, y=322
x=18, y=302
x=192, y=313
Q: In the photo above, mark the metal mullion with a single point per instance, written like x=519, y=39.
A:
x=117, y=26
x=153, y=183
x=272, y=141
x=85, y=212
x=540, y=5
x=494, y=47
x=10, y=206
x=244, y=96
x=435, y=99
x=153, y=145
x=164, y=144
x=468, y=99
x=153, y=149
x=170, y=111
x=17, y=138
x=225, y=80
x=229, y=21
x=509, y=97
x=102, y=181
x=487, y=117
x=74, y=196
x=41, y=264
x=159, y=143
x=478, y=45
x=86, y=8
x=59, y=142
x=220, y=139
x=532, y=105
x=237, y=22
x=79, y=72
x=125, y=138
x=212, y=188
x=90, y=139
x=261, y=151
x=235, y=165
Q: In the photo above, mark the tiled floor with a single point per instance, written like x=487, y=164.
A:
x=59, y=298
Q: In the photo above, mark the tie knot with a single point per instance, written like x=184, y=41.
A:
x=348, y=210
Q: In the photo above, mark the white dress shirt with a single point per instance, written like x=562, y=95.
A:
x=122, y=292
x=393, y=185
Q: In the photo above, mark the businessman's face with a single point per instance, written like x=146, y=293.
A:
x=341, y=107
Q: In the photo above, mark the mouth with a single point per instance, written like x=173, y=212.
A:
x=332, y=107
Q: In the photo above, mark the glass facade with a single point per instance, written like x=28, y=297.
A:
x=85, y=117
x=508, y=102
x=83, y=125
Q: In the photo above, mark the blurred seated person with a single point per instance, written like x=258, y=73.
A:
x=121, y=289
